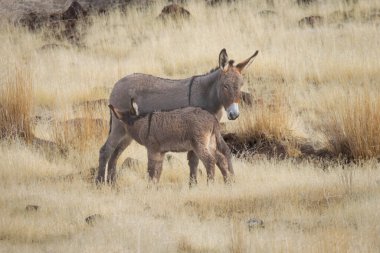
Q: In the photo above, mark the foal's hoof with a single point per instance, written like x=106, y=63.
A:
x=230, y=179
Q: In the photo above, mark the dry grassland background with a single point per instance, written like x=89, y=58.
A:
x=316, y=86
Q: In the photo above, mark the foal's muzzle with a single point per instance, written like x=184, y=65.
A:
x=233, y=111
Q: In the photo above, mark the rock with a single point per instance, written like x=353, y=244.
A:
x=79, y=133
x=91, y=105
x=74, y=12
x=215, y=2
x=32, y=208
x=246, y=98
x=92, y=219
x=305, y=2
x=52, y=46
x=174, y=11
x=250, y=145
x=80, y=125
x=341, y=16
x=130, y=162
x=32, y=21
x=63, y=24
x=254, y=223
x=49, y=148
x=266, y=13
x=311, y=21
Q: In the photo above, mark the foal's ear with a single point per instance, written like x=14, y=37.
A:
x=134, y=108
x=223, y=59
x=245, y=64
x=118, y=114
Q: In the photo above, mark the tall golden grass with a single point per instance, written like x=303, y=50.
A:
x=16, y=104
x=353, y=124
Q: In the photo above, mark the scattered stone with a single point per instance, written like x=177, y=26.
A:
x=311, y=21
x=92, y=219
x=52, y=46
x=305, y=2
x=174, y=11
x=74, y=12
x=48, y=147
x=32, y=21
x=247, y=146
x=130, y=162
x=81, y=125
x=215, y=2
x=91, y=104
x=267, y=13
x=62, y=24
x=246, y=98
x=341, y=16
x=254, y=223
x=32, y=208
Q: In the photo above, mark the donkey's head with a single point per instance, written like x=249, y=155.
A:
x=231, y=80
x=129, y=116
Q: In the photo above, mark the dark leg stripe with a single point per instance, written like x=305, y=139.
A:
x=190, y=85
x=149, y=123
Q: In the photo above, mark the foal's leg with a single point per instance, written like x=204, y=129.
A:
x=207, y=159
x=225, y=150
x=193, y=164
x=155, y=160
x=222, y=164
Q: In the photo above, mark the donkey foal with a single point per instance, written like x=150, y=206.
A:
x=188, y=129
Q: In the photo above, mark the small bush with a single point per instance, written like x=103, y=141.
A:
x=16, y=104
x=353, y=128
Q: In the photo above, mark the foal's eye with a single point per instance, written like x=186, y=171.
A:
x=225, y=87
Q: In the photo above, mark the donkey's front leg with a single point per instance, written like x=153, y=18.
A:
x=155, y=160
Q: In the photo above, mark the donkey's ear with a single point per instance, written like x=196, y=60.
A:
x=134, y=108
x=223, y=59
x=245, y=64
x=118, y=114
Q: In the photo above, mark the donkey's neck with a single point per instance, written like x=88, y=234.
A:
x=204, y=92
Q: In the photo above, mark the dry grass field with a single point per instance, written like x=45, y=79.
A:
x=317, y=86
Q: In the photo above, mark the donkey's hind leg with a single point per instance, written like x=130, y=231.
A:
x=116, y=135
x=111, y=177
x=193, y=164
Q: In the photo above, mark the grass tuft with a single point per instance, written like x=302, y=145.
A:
x=16, y=105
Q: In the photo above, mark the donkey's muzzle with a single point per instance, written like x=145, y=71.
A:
x=233, y=111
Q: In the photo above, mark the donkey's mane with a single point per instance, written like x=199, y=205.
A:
x=212, y=70
x=194, y=76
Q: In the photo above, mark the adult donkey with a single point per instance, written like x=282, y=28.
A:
x=213, y=91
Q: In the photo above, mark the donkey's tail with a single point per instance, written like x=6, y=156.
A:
x=109, y=131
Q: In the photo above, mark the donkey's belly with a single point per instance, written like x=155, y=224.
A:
x=176, y=147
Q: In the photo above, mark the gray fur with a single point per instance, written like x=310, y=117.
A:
x=189, y=129
x=212, y=92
